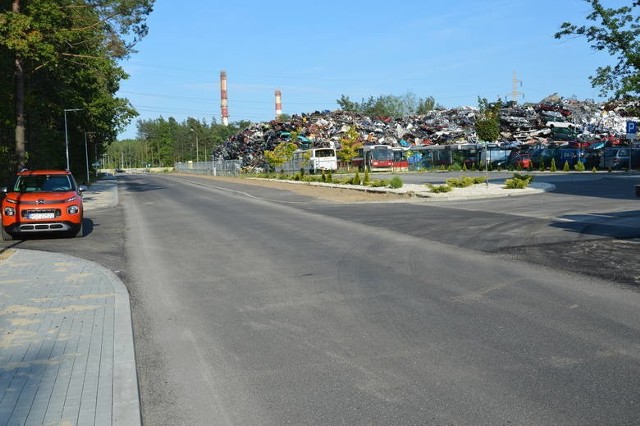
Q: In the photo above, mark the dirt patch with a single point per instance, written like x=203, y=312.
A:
x=337, y=195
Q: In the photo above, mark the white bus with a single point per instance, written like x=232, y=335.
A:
x=313, y=160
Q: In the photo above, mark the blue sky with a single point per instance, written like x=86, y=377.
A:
x=314, y=52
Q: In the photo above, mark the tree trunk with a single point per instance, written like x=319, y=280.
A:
x=19, y=94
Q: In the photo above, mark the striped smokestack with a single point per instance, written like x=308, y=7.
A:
x=278, y=104
x=223, y=98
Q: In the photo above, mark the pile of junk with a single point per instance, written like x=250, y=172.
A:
x=553, y=122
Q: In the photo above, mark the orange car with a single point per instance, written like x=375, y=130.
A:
x=42, y=201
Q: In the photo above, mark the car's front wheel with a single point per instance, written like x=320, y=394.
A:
x=80, y=231
x=5, y=235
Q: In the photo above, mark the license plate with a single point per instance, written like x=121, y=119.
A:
x=41, y=216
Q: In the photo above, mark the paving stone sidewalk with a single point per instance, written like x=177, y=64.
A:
x=66, y=342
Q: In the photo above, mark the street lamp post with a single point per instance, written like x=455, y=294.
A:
x=86, y=154
x=66, y=133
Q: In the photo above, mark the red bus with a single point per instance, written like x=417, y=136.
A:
x=374, y=158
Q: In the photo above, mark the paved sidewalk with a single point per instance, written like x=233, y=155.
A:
x=66, y=342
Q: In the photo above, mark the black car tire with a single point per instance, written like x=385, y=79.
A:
x=6, y=236
x=80, y=232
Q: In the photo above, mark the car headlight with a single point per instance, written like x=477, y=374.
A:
x=9, y=211
x=73, y=209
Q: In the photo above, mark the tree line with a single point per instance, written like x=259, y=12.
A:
x=60, y=72
x=162, y=142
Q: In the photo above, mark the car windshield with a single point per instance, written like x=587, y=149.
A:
x=43, y=183
x=382, y=154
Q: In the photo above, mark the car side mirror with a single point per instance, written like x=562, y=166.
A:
x=82, y=188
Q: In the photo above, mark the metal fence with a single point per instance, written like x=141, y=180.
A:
x=212, y=168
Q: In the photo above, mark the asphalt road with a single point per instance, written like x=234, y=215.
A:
x=257, y=306
x=254, y=306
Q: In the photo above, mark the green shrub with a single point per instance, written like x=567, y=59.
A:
x=459, y=182
x=465, y=181
x=366, y=179
x=515, y=184
x=329, y=177
x=579, y=167
x=553, y=167
x=566, y=167
x=396, y=182
x=594, y=170
x=528, y=178
x=541, y=165
x=439, y=188
x=518, y=181
x=356, y=179
x=378, y=183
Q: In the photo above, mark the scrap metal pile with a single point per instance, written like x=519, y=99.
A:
x=554, y=119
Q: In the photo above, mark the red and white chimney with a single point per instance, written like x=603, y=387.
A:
x=278, y=104
x=223, y=98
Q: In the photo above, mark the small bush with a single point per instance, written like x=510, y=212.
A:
x=518, y=181
x=439, y=188
x=594, y=170
x=566, y=167
x=528, y=178
x=379, y=183
x=367, y=178
x=459, y=182
x=465, y=181
x=515, y=184
x=579, y=167
x=553, y=167
x=329, y=177
x=396, y=182
x=356, y=179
